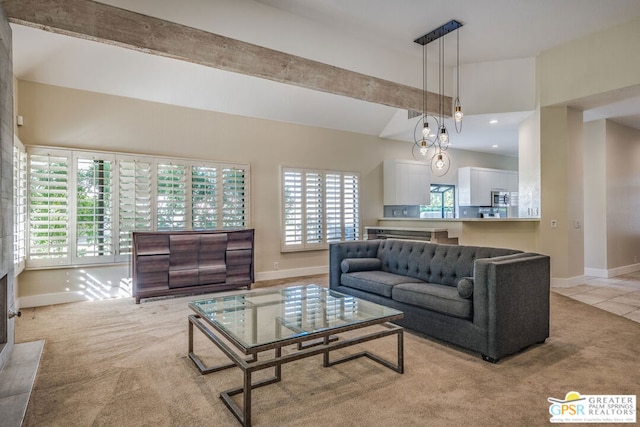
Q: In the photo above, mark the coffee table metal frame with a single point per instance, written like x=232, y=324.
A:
x=321, y=342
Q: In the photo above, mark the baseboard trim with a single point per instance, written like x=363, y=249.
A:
x=49, y=299
x=596, y=272
x=293, y=272
x=612, y=272
x=67, y=297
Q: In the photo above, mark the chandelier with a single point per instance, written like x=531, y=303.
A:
x=430, y=146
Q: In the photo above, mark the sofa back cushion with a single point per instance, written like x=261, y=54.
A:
x=431, y=262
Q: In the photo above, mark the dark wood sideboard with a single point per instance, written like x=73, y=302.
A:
x=182, y=262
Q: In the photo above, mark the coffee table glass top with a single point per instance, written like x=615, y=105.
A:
x=263, y=317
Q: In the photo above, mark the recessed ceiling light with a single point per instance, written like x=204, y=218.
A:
x=493, y=122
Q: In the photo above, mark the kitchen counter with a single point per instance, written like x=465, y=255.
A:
x=430, y=234
x=513, y=233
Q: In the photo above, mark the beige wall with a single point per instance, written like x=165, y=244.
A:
x=562, y=190
x=588, y=67
x=519, y=234
x=78, y=119
x=612, y=198
x=623, y=195
x=595, y=195
x=578, y=73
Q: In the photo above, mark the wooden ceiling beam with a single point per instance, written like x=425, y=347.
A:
x=115, y=26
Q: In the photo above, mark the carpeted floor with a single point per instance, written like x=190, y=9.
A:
x=115, y=363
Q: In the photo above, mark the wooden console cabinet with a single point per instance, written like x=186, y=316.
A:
x=182, y=262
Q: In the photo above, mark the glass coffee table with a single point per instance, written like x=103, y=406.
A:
x=252, y=328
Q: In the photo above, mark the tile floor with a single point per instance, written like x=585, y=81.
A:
x=619, y=295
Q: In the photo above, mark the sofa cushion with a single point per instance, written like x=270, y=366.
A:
x=350, y=265
x=432, y=296
x=432, y=262
x=376, y=282
x=465, y=287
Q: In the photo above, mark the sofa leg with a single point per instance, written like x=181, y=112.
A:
x=488, y=358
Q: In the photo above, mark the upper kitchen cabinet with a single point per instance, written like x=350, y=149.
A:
x=406, y=182
x=476, y=184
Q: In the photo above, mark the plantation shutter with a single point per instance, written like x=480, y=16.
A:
x=351, y=208
x=204, y=188
x=333, y=203
x=314, y=208
x=19, y=206
x=172, y=197
x=292, y=209
x=48, y=208
x=318, y=207
x=94, y=208
x=135, y=196
x=233, y=198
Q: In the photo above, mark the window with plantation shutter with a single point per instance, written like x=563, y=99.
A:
x=135, y=198
x=204, y=190
x=19, y=206
x=351, y=208
x=233, y=198
x=292, y=209
x=318, y=207
x=314, y=207
x=172, y=197
x=48, y=208
x=333, y=200
x=83, y=206
x=94, y=208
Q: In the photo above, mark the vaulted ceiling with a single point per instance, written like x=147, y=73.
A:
x=372, y=37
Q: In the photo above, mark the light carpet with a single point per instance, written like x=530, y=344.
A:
x=115, y=363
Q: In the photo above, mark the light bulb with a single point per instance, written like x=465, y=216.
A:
x=440, y=162
x=444, y=136
x=426, y=130
x=423, y=148
x=458, y=114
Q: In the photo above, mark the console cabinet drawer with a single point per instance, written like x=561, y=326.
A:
x=169, y=263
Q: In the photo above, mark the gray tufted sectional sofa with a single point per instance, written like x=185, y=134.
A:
x=489, y=300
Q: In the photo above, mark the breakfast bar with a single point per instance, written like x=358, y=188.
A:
x=513, y=233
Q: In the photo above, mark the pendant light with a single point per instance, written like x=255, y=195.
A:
x=423, y=138
x=457, y=106
x=428, y=147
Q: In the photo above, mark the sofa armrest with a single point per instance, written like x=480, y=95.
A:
x=511, y=301
x=352, y=249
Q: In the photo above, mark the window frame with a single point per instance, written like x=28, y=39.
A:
x=20, y=206
x=304, y=244
x=120, y=252
x=440, y=190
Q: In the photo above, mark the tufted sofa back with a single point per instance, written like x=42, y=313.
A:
x=431, y=262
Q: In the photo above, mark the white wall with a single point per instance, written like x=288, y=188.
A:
x=529, y=167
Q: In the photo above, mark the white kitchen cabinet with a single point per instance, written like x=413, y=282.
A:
x=406, y=182
x=513, y=182
x=476, y=184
